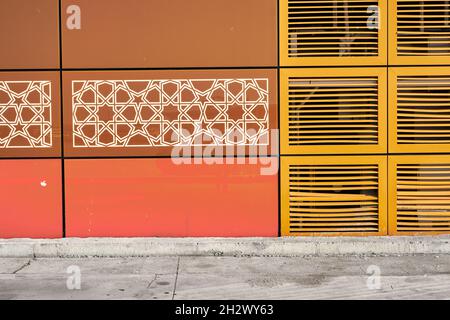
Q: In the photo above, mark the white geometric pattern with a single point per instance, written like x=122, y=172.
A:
x=25, y=114
x=181, y=112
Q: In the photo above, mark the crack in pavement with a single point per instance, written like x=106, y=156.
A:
x=23, y=267
x=176, y=279
x=154, y=279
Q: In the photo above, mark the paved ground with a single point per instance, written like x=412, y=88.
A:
x=412, y=277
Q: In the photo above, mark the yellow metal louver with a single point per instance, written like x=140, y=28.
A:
x=333, y=111
x=419, y=112
x=419, y=32
x=333, y=195
x=419, y=188
x=333, y=32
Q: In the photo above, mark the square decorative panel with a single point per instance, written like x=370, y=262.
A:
x=334, y=195
x=333, y=32
x=419, y=32
x=419, y=195
x=152, y=113
x=29, y=114
x=333, y=111
x=419, y=112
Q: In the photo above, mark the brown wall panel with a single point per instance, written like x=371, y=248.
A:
x=29, y=34
x=29, y=114
x=140, y=113
x=169, y=33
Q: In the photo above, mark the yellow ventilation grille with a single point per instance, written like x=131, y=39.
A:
x=420, y=31
x=333, y=195
x=333, y=111
x=332, y=32
x=422, y=200
x=421, y=114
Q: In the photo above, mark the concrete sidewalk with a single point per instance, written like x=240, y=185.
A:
x=344, y=277
x=283, y=246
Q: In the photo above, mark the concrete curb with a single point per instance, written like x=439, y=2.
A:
x=285, y=246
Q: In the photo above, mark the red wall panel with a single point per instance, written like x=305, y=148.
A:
x=30, y=199
x=154, y=197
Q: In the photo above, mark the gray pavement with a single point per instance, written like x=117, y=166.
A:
x=345, y=277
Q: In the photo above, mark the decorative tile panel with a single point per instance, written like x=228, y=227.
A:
x=29, y=114
x=146, y=113
x=25, y=114
x=156, y=113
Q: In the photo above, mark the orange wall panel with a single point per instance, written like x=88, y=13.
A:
x=30, y=199
x=155, y=197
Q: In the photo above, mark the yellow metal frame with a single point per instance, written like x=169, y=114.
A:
x=392, y=186
x=381, y=59
x=410, y=148
x=412, y=60
x=381, y=161
x=381, y=147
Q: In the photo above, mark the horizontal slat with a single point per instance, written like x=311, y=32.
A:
x=353, y=229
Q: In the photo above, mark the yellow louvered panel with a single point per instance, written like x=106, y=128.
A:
x=420, y=194
x=419, y=32
x=333, y=111
x=333, y=32
x=420, y=109
x=333, y=195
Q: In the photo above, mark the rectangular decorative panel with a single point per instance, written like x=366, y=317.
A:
x=29, y=34
x=156, y=197
x=169, y=34
x=419, y=32
x=333, y=111
x=333, y=32
x=159, y=112
x=419, y=109
x=29, y=114
x=419, y=195
x=30, y=199
x=333, y=195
